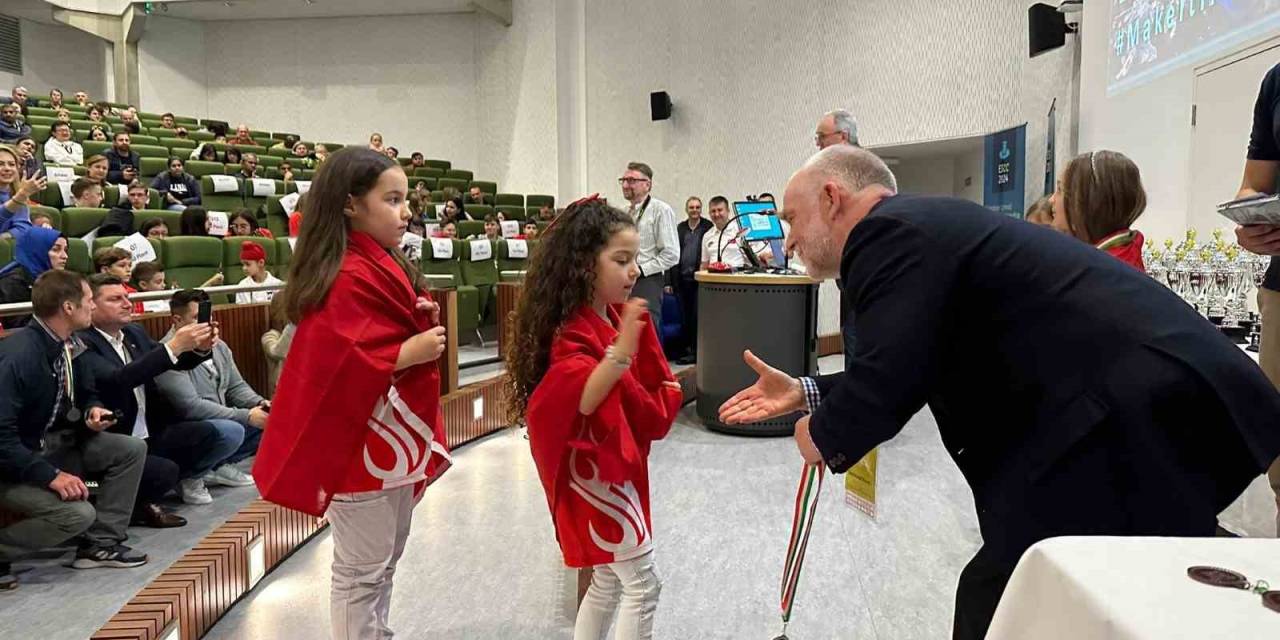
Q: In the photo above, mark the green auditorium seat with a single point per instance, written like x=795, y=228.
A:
x=428, y=172
x=460, y=185
x=93, y=148
x=479, y=211
x=199, y=168
x=468, y=297
x=100, y=243
x=40, y=121
x=77, y=222
x=269, y=160
x=152, y=167
x=55, y=216
x=150, y=150
x=186, y=121
x=469, y=228
x=284, y=254
x=52, y=196
x=225, y=201
x=460, y=174
x=280, y=135
x=6, y=251
x=508, y=199
x=485, y=186
x=231, y=256
x=443, y=165
x=277, y=217
x=43, y=112
x=78, y=257
x=136, y=140
x=41, y=134
x=404, y=160
x=183, y=147
x=191, y=260
x=535, y=201
x=201, y=136
x=256, y=203
x=147, y=115
x=510, y=212
x=254, y=133
x=481, y=272
x=437, y=195
x=279, y=153
x=506, y=262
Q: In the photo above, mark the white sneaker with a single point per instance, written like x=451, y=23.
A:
x=194, y=492
x=228, y=476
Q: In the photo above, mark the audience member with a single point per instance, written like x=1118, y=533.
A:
x=244, y=223
x=248, y=167
x=765, y=197
x=1098, y=198
x=286, y=172
x=18, y=97
x=63, y=116
x=232, y=156
x=149, y=276
x=253, y=259
x=1041, y=212
x=417, y=161
x=836, y=127
x=55, y=99
x=122, y=160
x=95, y=114
x=691, y=232
x=275, y=343
x=242, y=136
x=31, y=165
x=448, y=230
x=41, y=219
x=11, y=125
x=36, y=251
x=115, y=261
x=181, y=133
x=61, y=149
x=16, y=191
x=286, y=143
x=205, y=153
x=215, y=392
x=416, y=208
x=124, y=362
x=86, y=194
x=120, y=219
x=178, y=188
x=420, y=189
x=546, y=213
x=129, y=119
x=167, y=121
x=393, y=153
x=375, y=142
x=656, y=225
x=51, y=438
x=530, y=231
x=720, y=242
x=456, y=211
x=105, y=108
x=492, y=231
x=82, y=99
x=194, y=222
x=321, y=153
x=295, y=217
x=98, y=133
x=97, y=168
x=476, y=196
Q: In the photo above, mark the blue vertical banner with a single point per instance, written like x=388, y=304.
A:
x=1050, y=149
x=1005, y=171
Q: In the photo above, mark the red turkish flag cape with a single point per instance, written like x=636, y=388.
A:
x=340, y=365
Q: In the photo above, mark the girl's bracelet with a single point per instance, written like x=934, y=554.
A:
x=611, y=354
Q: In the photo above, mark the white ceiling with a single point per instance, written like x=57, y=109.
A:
x=297, y=9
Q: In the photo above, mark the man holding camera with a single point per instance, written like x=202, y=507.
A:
x=53, y=433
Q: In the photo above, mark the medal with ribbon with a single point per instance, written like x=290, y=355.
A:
x=801, y=525
x=69, y=385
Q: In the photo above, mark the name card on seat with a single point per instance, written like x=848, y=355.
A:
x=517, y=249
x=263, y=187
x=224, y=184
x=481, y=250
x=441, y=248
x=138, y=247
x=510, y=228
x=219, y=223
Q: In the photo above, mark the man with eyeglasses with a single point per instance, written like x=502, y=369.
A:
x=839, y=127
x=659, y=243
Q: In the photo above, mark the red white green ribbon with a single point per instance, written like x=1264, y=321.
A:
x=801, y=524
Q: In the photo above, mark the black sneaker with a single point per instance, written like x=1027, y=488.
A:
x=117, y=557
x=8, y=581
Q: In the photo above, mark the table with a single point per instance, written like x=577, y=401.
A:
x=1079, y=588
x=773, y=315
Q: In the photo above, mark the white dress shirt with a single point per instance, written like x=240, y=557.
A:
x=58, y=152
x=731, y=254
x=257, y=296
x=659, y=243
x=139, y=394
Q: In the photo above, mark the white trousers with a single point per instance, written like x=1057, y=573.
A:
x=631, y=587
x=369, y=532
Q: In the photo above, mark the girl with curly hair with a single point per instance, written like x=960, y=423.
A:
x=589, y=378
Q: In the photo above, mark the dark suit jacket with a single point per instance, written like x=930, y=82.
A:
x=1076, y=394
x=115, y=380
x=28, y=388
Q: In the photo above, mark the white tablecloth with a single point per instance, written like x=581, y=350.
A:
x=1080, y=588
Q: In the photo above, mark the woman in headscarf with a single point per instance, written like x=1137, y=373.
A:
x=38, y=250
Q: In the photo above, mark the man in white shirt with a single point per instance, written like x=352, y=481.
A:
x=720, y=244
x=61, y=149
x=659, y=243
x=253, y=258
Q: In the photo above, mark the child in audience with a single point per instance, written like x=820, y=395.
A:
x=491, y=229
x=295, y=218
x=375, y=143
x=590, y=380
x=1041, y=212
x=448, y=230
x=41, y=219
x=530, y=230
x=98, y=134
x=149, y=276
x=1098, y=198
x=205, y=153
x=232, y=156
x=244, y=223
x=322, y=153
x=347, y=385
x=275, y=343
x=286, y=172
x=253, y=259
x=117, y=262
x=154, y=228
x=119, y=220
x=85, y=193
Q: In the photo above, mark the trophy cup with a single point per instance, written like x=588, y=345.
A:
x=1259, y=273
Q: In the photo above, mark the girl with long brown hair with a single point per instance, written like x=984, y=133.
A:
x=1099, y=197
x=589, y=378
x=356, y=431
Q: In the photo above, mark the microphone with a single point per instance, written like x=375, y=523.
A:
x=720, y=245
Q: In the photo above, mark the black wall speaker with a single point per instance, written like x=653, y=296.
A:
x=659, y=105
x=1048, y=28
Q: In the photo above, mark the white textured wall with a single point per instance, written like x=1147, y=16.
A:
x=516, y=99
x=171, y=67
x=61, y=57
x=927, y=176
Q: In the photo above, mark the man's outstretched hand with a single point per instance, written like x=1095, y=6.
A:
x=774, y=394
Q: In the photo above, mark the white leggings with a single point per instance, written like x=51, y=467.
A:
x=633, y=584
x=369, y=532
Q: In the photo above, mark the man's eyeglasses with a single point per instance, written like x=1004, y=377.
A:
x=632, y=180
